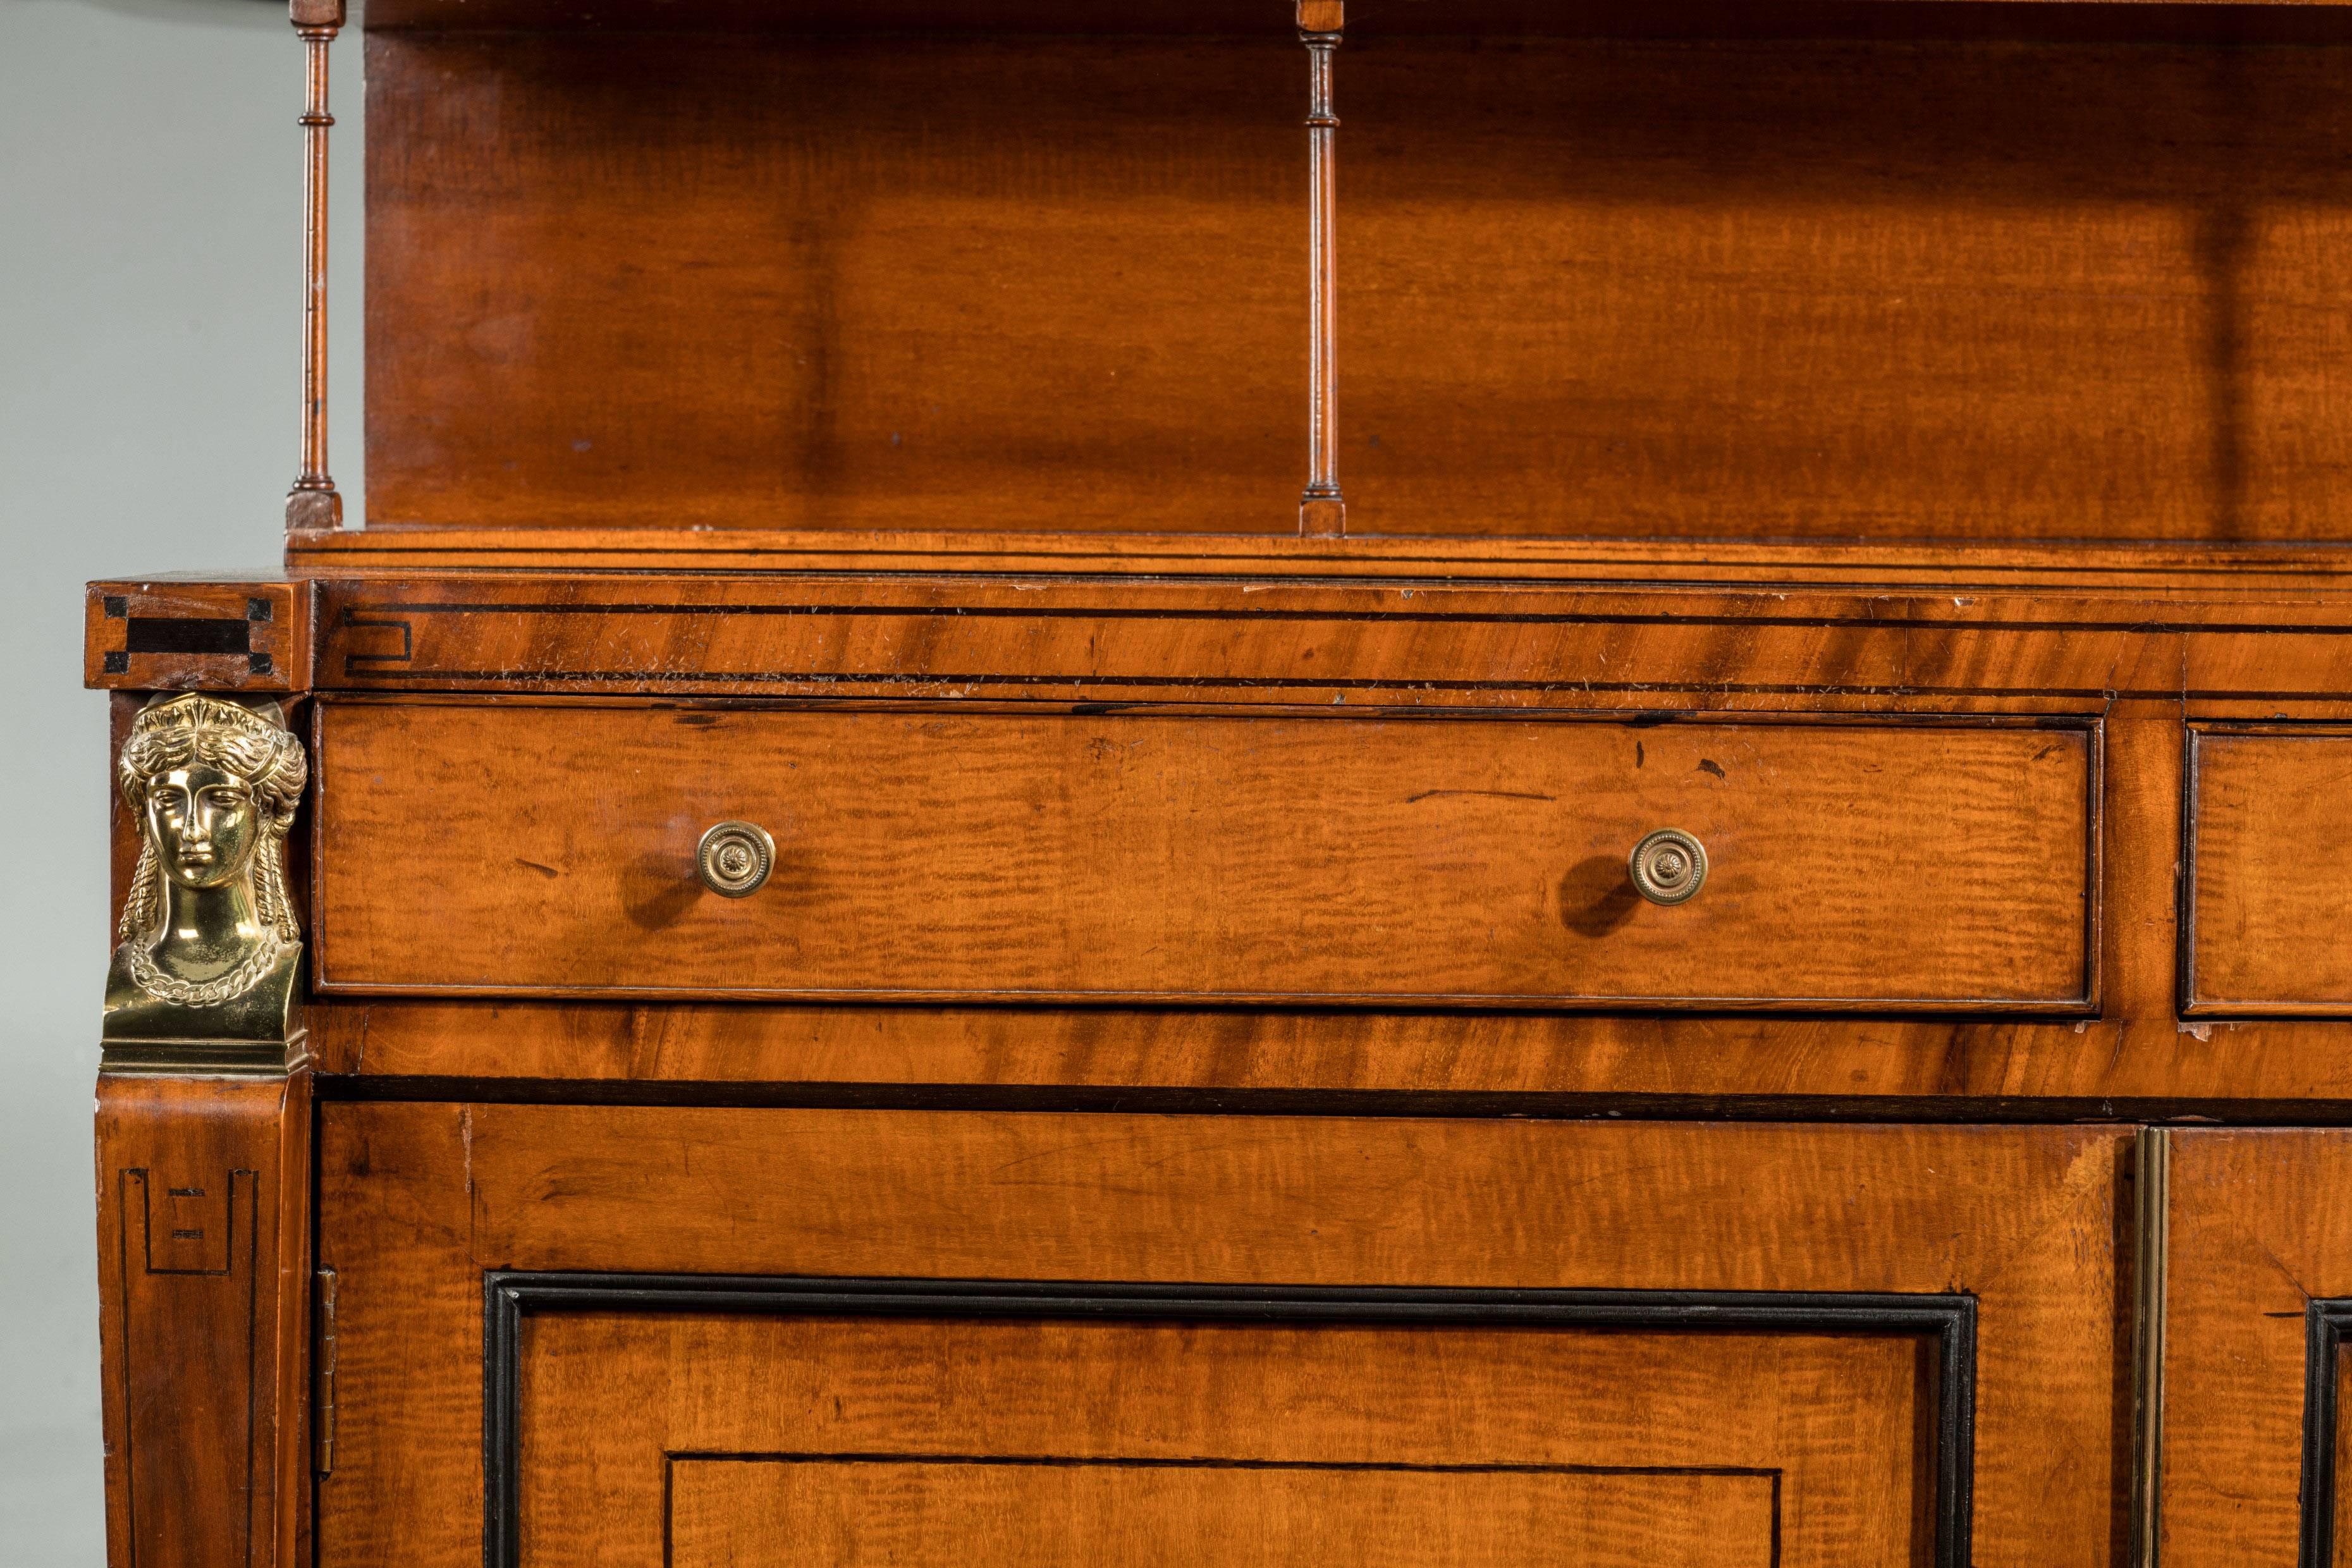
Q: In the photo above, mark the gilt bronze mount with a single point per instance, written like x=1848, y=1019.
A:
x=209, y=951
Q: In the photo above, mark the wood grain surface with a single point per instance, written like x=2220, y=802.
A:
x=204, y=1247
x=752, y=1516
x=417, y=1200
x=185, y=633
x=746, y=280
x=2170, y=572
x=1067, y=635
x=1054, y=1442
x=2226, y=21
x=2134, y=1059
x=756, y=1515
x=1217, y=858
x=734, y=282
x=2254, y=1240
x=2136, y=1054
x=2342, y=1494
x=1895, y=443
x=2270, y=871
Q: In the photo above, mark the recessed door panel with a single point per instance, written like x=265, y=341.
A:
x=746, y=1439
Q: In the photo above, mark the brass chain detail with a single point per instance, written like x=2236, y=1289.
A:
x=227, y=987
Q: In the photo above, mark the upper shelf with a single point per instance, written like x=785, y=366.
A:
x=2306, y=574
x=1843, y=289
x=2251, y=21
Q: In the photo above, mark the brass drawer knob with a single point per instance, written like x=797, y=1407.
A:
x=1668, y=867
x=734, y=858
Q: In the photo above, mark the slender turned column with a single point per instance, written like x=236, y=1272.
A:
x=313, y=503
x=1321, y=511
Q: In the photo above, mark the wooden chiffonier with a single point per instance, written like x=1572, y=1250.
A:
x=914, y=901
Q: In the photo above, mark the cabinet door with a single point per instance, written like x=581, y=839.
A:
x=2258, y=1296
x=573, y=1336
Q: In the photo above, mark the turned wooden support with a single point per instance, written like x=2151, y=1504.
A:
x=1321, y=511
x=313, y=503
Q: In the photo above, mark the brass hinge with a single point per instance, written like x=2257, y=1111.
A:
x=323, y=1374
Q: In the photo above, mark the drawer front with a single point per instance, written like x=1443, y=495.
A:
x=2270, y=872
x=551, y=849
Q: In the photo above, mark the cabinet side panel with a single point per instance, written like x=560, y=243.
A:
x=202, y=1242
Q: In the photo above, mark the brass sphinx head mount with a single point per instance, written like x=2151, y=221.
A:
x=209, y=943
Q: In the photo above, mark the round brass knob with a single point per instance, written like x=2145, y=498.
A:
x=734, y=858
x=1668, y=867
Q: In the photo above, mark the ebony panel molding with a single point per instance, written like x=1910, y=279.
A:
x=2325, y=1323
x=1948, y=1321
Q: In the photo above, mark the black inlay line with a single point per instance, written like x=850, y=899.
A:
x=187, y=634
x=2184, y=884
x=408, y=642
x=1774, y=1480
x=1949, y=1320
x=1209, y=1462
x=2325, y=1322
x=1450, y=1104
x=1440, y=617
x=257, y=1395
x=351, y=670
x=122, y=1355
x=2062, y=721
x=1898, y=1008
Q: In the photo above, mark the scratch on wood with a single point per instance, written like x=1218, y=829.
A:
x=1488, y=794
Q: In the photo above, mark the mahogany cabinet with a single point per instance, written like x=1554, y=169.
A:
x=922, y=894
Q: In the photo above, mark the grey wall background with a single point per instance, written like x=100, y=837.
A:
x=149, y=296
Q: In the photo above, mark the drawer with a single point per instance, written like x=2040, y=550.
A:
x=2270, y=872
x=545, y=849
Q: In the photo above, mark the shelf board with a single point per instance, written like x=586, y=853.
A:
x=2221, y=21
x=2301, y=568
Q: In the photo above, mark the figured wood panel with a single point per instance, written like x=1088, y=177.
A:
x=2257, y=1243
x=1037, y=1515
x=1814, y=290
x=1989, y=637
x=1431, y=645
x=938, y=1441
x=730, y=281
x=2177, y=572
x=2133, y=1060
x=419, y=1200
x=1206, y=856
x=203, y=1229
x=752, y=279
x=2341, y=1500
x=2271, y=872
